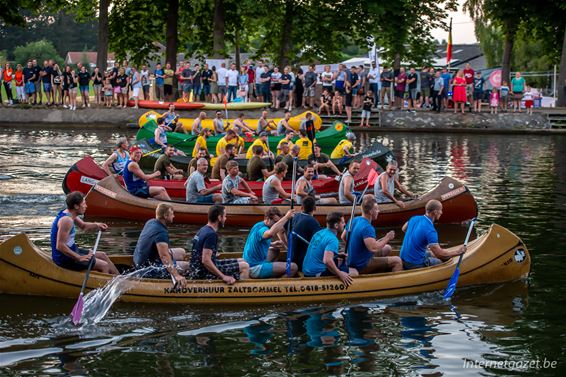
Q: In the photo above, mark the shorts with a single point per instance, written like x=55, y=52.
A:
x=222, y=89
x=241, y=200
x=71, y=264
x=413, y=94
x=258, y=88
x=478, y=96
x=469, y=88
x=37, y=85
x=136, y=92
x=108, y=93
x=425, y=92
x=73, y=90
x=517, y=96
x=97, y=87
x=187, y=87
x=429, y=261
x=265, y=91
x=400, y=93
x=529, y=103
x=29, y=87
x=342, y=266
x=47, y=87
x=117, y=90
x=284, y=95
x=262, y=271
x=205, y=199
x=206, y=89
x=229, y=267
x=124, y=90
x=366, y=114
x=83, y=88
x=310, y=91
x=168, y=89
x=276, y=87
x=196, y=90
x=355, y=91
x=142, y=192
x=348, y=101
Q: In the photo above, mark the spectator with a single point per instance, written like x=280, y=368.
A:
x=97, y=81
x=327, y=77
x=222, y=73
x=122, y=81
x=412, y=82
x=299, y=89
x=400, y=83
x=426, y=84
x=206, y=76
x=258, y=83
x=348, y=96
x=243, y=81
x=114, y=81
x=196, y=79
x=214, y=91
x=364, y=84
x=340, y=79
x=518, y=87
x=84, y=81
x=459, y=92
x=37, y=97
x=265, y=79
x=469, y=76
x=366, y=109
x=386, y=78
x=337, y=103
x=73, y=82
x=168, y=82
x=325, y=102
x=66, y=83
x=136, y=86
x=437, y=92
x=250, y=70
x=19, y=81
x=47, y=81
x=478, y=91
x=29, y=77
x=107, y=92
x=528, y=98
x=447, y=77
x=373, y=80
x=232, y=82
x=57, y=85
x=310, y=88
x=504, y=95
x=144, y=74
x=493, y=101
x=355, y=84
x=7, y=76
x=275, y=87
x=186, y=76
x=285, y=80
x=179, y=74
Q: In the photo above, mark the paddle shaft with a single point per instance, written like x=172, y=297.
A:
x=466, y=241
x=91, y=263
x=290, y=238
x=172, y=145
x=452, y=283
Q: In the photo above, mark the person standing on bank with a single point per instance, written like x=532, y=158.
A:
x=64, y=251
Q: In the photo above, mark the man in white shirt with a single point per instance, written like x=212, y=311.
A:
x=232, y=80
x=222, y=73
x=258, y=72
x=373, y=79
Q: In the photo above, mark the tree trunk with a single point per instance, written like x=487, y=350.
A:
x=102, y=54
x=397, y=62
x=286, y=40
x=561, y=83
x=171, y=40
x=507, y=51
x=219, y=45
x=237, y=48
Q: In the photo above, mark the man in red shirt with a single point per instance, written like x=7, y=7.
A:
x=469, y=76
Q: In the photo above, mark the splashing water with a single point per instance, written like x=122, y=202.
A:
x=98, y=302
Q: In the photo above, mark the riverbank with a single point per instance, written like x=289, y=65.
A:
x=386, y=120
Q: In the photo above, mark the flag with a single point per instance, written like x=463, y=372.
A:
x=225, y=102
x=449, y=46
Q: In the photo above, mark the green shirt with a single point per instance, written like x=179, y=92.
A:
x=518, y=85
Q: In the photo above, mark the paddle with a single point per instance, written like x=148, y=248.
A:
x=191, y=138
x=77, y=311
x=290, y=236
x=451, y=288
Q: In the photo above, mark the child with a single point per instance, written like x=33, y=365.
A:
x=504, y=95
x=325, y=102
x=107, y=93
x=337, y=103
x=528, y=98
x=366, y=108
x=493, y=100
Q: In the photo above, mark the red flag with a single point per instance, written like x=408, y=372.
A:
x=225, y=102
x=449, y=46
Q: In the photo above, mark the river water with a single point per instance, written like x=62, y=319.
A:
x=519, y=182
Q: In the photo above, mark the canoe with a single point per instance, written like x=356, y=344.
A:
x=85, y=173
x=165, y=105
x=108, y=199
x=376, y=152
x=232, y=106
x=327, y=138
x=495, y=257
x=294, y=122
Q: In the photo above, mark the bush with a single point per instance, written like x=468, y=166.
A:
x=40, y=50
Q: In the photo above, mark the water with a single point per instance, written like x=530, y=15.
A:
x=517, y=180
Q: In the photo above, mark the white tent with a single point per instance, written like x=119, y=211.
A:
x=357, y=62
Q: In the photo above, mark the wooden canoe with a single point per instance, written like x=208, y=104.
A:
x=495, y=257
x=85, y=173
x=108, y=199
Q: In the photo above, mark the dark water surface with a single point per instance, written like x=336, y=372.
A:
x=519, y=182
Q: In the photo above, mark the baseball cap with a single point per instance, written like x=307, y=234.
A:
x=350, y=136
x=135, y=148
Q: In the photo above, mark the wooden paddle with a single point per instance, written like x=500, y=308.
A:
x=290, y=236
x=451, y=288
x=77, y=311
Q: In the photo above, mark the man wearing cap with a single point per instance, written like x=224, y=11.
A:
x=343, y=148
x=229, y=138
x=261, y=141
x=136, y=180
x=322, y=163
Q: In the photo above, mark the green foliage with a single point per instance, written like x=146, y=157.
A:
x=40, y=50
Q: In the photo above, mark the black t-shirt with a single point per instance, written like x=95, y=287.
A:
x=206, y=75
x=368, y=102
x=426, y=80
x=322, y=159
x=97, y=77
x=36, y=69
x=386, y=77
x=353, y=78
x=265, y=75
x=286, y=76
x=206, y=238
x=122, y=80
x=310, y=129
x=305, y=226
x=254, y=168
x=196, y=78
x=28, y=73
x=411, y=76
x=84, y=78
x=310, y=78
x=48, y=72
x=187, y=73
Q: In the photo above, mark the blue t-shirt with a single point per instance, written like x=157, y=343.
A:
x=305, y=226
x=146, y=253
x=420, y=234
x=256, y=248
x=159, y=80
x=324, y=240
x=446, y=77
x=358, y=253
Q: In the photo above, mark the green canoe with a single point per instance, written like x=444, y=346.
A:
x=327, y=138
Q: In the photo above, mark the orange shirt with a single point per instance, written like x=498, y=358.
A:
x=8, y=74
x=19, y=78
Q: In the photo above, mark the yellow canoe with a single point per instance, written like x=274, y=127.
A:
x=295, y=121
x=495, y=257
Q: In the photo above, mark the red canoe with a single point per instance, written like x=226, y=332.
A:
x=165, y=105
x=108, y=199
x=85, y=173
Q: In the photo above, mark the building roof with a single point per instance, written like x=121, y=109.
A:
x=74, y=57
x=461, y=54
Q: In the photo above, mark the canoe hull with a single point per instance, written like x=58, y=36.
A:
x=108, y=199
x=165, y=105
x=497, y=256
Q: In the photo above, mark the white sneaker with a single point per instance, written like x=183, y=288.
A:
x=135, y=107
x=65, y=106
x=74, y=108
x=88, y=105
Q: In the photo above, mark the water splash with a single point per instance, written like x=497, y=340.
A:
x=98, y=302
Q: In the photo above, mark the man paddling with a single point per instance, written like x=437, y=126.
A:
x=231, y=194
x=343, y=148
x=366, y=253
x=386, y=183
x=204, y=264
x=172, y=120
x=196, y=191
x=322, y=164
x=322, y=253
x=117, y=160
x=262, y=142
x=136, y=180
x=305, y=226
x=197, y=124
x=64, y=251
x=421, y=235
x=304, y=188
x=346, y=189
x=153, y=248
x=262, y=254
x=165, y=167
x=272, y=188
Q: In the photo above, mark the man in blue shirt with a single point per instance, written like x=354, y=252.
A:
x=153, y=248
x=322, y=254
x=420, y=235
x=366, y=253
x=260, y=253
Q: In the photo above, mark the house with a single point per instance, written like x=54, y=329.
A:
x=461, y=54
x=74, y=57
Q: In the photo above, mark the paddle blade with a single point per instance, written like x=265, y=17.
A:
x=372, y=177
x=77, y=311
x=449, y=292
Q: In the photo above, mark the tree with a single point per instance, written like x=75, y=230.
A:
x=40, y=50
